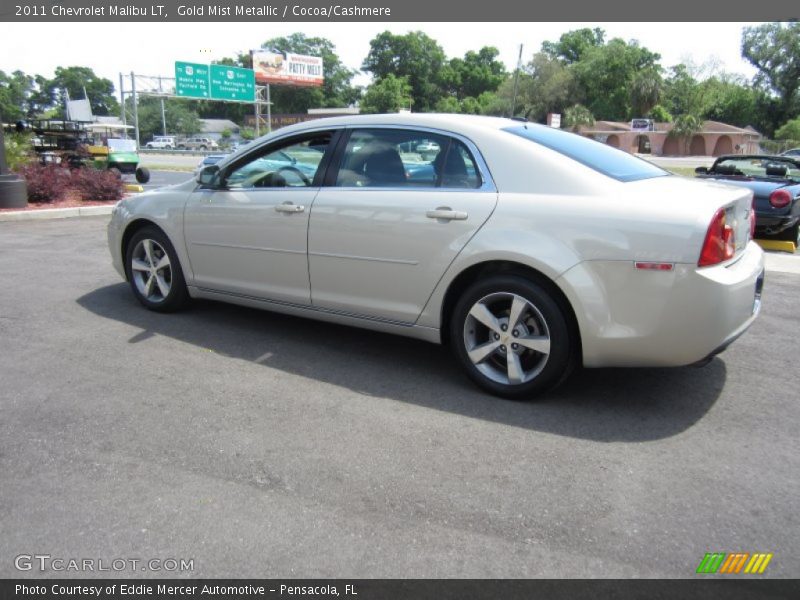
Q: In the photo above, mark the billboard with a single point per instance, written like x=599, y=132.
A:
x=287, y=69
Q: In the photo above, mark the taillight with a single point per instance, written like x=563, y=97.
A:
x=753, y=220
x=780, y=198
x=719, y=243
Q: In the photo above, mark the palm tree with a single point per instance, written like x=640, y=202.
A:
x=685, y=127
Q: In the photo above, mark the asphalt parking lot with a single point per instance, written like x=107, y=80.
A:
x=260, y=445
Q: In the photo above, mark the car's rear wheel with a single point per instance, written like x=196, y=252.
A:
x=512, y=337
x=154, y=271
x=791, y=235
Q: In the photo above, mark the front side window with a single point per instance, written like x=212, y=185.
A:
x=291, y=164
x=406, y=158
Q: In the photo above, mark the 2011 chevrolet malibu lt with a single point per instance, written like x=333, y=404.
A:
x=528, y=249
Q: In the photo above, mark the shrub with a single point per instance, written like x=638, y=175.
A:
x=19, y=150
x=45, y=183
x=92, y=184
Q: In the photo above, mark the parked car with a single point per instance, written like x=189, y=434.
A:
x=532, y=251
x=795, y=152
x=775, y=183
x=160, y=142
x=198, y=143
x=211, y=159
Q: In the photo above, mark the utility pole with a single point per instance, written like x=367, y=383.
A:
x=13, y=192
x=516, y=81
x=135, y=109
x=163, y=112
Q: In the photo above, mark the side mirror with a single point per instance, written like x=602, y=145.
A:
x=208, y=176
x=701, y=170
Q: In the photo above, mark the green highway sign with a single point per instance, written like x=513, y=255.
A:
x=191, y=80
x=232, y=83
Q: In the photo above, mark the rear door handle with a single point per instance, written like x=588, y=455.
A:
x=446, y=213
x=288, y=207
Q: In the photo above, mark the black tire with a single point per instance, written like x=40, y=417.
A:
x=142, y=174
x=203, y=148
x=541, y=317
x=177, y=295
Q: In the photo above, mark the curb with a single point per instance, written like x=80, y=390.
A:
x=777, y=245
x=56, y=213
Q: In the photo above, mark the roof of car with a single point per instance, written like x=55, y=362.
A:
x=434, y=120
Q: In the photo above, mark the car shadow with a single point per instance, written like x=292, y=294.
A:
x=609, y=405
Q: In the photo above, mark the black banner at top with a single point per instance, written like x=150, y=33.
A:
x=391, y=11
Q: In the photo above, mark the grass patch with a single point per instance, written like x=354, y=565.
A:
x=683, y=171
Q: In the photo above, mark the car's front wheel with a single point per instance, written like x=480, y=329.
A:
x=512, y=337
x=154, y=271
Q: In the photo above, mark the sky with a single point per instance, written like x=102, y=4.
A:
x=151, y=48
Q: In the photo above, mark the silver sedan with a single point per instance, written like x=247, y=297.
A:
x=529, y=250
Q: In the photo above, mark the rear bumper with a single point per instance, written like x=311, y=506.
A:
x=774, y=224
x=629, y=317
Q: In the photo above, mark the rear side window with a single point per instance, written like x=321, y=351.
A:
x=598, y=156
x=407, y=159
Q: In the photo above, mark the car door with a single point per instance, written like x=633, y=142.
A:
x=390, y=221
x=249, y=236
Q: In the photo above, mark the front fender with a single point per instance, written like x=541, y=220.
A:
x=165, y=209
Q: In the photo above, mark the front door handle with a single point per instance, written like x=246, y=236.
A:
x=446, y=213
x=289, y=207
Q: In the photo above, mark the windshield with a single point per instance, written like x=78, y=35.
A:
x=766, y=167
x=595, y=155
x=118, y=145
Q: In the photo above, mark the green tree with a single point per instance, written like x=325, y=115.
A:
x=388, y=94
x=659, y=114
x=414, y=56
x=181, y=118
x=729, y=100
x=606, y=74
x=476, y=73
x=545, y=85
x=15, y=92
x=573, y=46
x=577, y=116
x=774, y=49
x=682, y=93
x=789, y=130
x=76, y=80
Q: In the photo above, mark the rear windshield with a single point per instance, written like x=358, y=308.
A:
x=595, y=155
